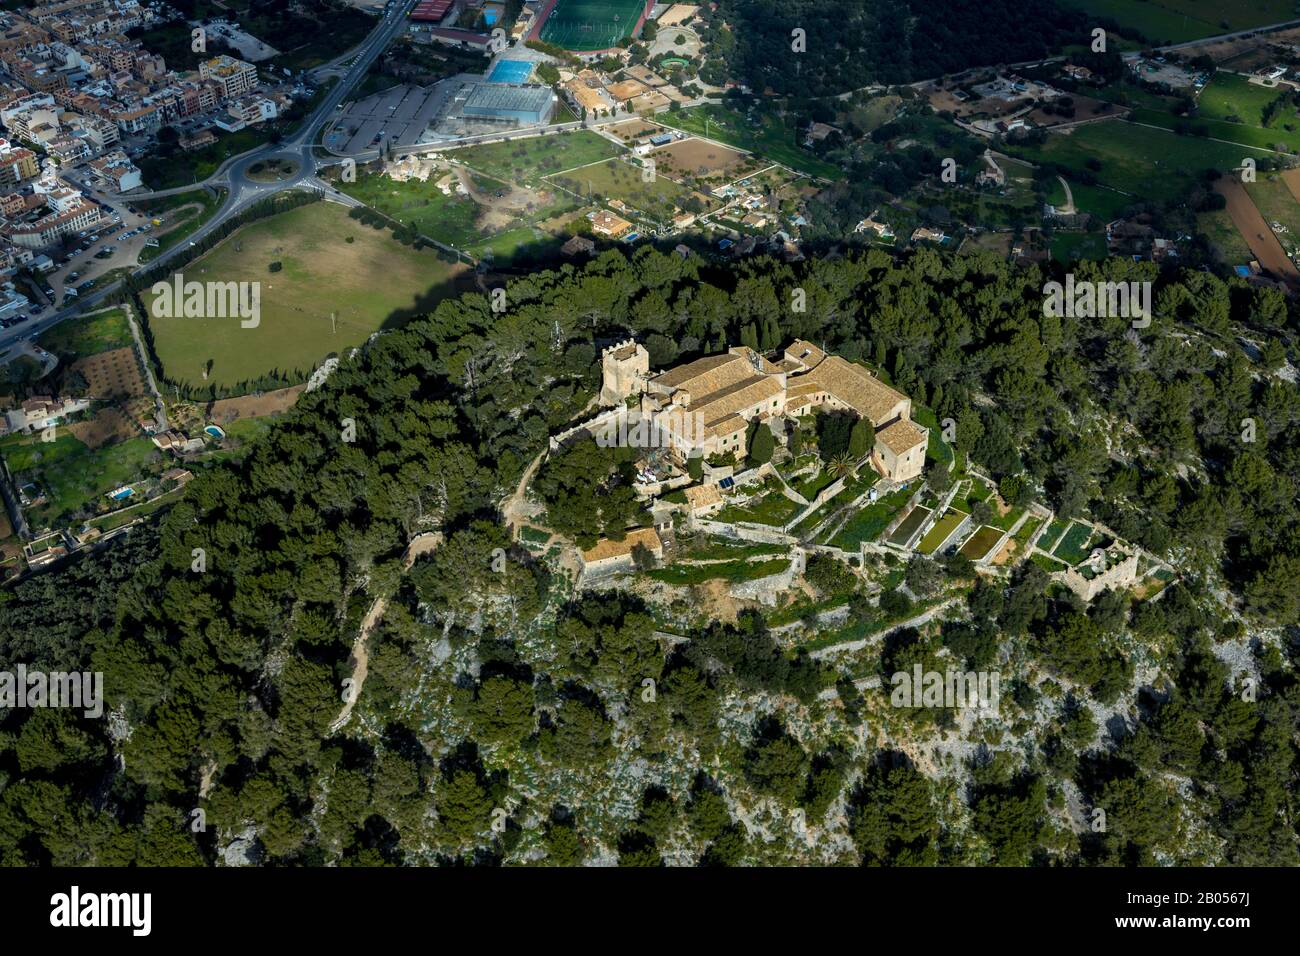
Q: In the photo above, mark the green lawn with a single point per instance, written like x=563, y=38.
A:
x=1138, y=160
x=366, y=284
x=1231, y=97
x=907, y=527
x=1053, y=534
x=181, y=224
x=1073, y=547
x=870, y=520
x=75, y=477
x=1068, y=247
x=1026, y=532
x=450, y=219
x=1097, y=200
x=1046, y=563
x=769, y=136
x=615, y=179
x=528, y=160
x=1007, y=521
x=88, y=335
x=733, y=571
x=774, y=508
x=810, y=488
x=937, y=535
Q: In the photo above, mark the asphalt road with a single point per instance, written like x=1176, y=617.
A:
x=241, y=191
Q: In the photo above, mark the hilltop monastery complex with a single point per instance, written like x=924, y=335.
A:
x=705, y=407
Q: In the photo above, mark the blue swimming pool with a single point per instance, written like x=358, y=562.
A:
x=510, y=71
x=121, y=493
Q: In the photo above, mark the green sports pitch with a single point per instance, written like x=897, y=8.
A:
x=591, y=24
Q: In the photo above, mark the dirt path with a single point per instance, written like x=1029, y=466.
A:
x=1292, y=179
x=513, y=509
x=1068, y=209
x=360, y=659
x=1250, y=223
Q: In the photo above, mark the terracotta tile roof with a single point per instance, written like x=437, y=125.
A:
x=705, y=375
x=703, y=496
x=607, y=548
x=856, y=387
x=726, y=426
x=804, y=352
x=725, y=403
x=900, y=436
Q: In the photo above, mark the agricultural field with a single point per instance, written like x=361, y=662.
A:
x=528, y=160
x=88, y=335
x=74, y=476
x=907, y=527
x=1223, y=236
x=329, y=265
x=937, y=535
x=766, y=136
x=1136, y=160
x=1276, y=203
x=1178, y=20
x=1073, y=546
x=1256, y=138
x=980, y=543
x=615, y=179
x=701, y=160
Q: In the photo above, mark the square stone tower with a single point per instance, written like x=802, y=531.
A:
x=625, y=368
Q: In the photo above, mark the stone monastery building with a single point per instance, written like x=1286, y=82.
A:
x=705, y=406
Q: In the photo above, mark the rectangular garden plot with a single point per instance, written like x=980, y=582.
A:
x=979, y=544
x=907, y=527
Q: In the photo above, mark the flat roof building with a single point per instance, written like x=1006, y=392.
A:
x=528, y=105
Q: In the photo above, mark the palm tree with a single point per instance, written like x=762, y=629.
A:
x=842, y=465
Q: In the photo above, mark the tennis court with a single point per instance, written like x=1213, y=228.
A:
x=510, y=71
x=591, y=24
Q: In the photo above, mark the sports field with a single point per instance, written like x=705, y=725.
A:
x=330, y=265
x=591, y=24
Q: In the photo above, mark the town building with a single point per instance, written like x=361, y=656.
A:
x=234, y=77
